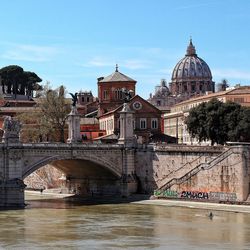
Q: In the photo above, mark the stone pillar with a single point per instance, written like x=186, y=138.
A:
x=11, y=183
x=74, y=135
x=11, y=161
x=127, y=136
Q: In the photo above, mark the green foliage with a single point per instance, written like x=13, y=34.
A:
x=219, y=122
x=196, y=121
x=242, y=129
x=14, y=80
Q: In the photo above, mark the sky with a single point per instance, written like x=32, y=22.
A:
x=73, y=42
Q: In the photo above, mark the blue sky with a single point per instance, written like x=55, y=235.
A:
x=73, y=42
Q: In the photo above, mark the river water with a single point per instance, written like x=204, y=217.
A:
x=56, y=224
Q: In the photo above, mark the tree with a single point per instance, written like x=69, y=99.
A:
x=11, y=76
x=47, y=121
x=215, y=125
x=35, y=128
x=196, y=122
x=31, y=83
x=55, y=109
x=242, y=129
x=18, y=81
x=219, y=122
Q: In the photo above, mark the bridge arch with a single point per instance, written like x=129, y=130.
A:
x=27, y=170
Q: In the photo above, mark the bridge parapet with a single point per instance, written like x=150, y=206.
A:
x=188, y=148
x=65, y=145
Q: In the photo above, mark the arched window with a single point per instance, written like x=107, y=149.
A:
x=118, y=94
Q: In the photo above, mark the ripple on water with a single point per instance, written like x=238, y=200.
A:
x=53, y=225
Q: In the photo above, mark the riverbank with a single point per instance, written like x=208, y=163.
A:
x=139, y=199
x=35, y=195
x=197, y=205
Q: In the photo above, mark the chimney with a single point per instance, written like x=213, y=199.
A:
x=100, y=78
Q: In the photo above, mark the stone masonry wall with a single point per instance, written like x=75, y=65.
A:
x=223, y=173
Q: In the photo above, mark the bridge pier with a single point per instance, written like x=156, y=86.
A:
x=12, y=193
x=128, y=180
x=11, y=183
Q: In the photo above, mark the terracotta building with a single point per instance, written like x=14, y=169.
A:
x=110, y=90
x=90, y=129
x=147, y=119
x=86, y=102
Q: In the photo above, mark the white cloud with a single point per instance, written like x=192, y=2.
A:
x=99, y=61
x=30, y=53
x=196, y=5
x=231, y=73
x=165, y=71
x=135, y=64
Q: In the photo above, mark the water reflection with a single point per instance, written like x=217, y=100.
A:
x=56, y=224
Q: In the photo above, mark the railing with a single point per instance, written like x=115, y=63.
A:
x=194, y=171
x=187, y=165
x=188, y=148
x=63, y=145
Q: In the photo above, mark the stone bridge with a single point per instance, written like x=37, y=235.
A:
x=120, y=169
x=109, y=168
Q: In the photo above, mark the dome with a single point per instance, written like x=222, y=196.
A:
x=191, y=76
x=191, y=66
x=162, y=89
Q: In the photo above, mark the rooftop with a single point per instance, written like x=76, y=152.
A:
x=117, y=77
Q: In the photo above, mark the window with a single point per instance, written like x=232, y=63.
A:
x=239, y=100
x=105, y=94
x=118, y=94
x=154, y=123
x=82, y=98
x=134, y=124
x=87, y=99
x=143, y=123
x=193, y=88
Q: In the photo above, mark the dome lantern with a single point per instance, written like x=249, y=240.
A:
x=191, y=49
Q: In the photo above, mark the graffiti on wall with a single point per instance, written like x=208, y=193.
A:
x=166, y=193
x=223, y=196
x=196, y=195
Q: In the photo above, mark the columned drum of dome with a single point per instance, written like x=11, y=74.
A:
x=191, y=75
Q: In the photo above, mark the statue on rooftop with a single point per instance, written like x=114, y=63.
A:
x=11, y=130
x=74, y=98
x=127, y=94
